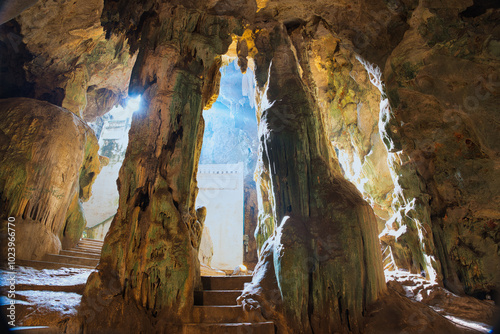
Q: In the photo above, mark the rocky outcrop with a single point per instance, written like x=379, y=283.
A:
x=350, y=105
x=44, y=176
x=426, y=164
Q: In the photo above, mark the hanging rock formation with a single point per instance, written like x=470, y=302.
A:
x=56, y=51
x=44, y=176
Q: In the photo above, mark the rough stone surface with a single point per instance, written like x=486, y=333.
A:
x=44, y=176
x=429, y=153
x=417, y=288
x=394, y=313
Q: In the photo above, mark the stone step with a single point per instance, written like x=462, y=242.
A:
x=88, y=245
x=80, y=254
x=216, y=297
x=230, y=328
x=71, y=260
x=99, y=242
x=49, y=265
x=84, y=245
x=85, y=250
x=224, y=314
x=225, y=282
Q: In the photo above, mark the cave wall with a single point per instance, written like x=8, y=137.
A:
x=44, y=177
x=442, y=82
x=410, y=155
x=57, y=51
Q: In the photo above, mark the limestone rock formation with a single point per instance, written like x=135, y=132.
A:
x=325, y=232
x=44, y=176
x=442, y=82
x=149, y=266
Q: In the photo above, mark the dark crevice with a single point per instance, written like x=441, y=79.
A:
x=176, y=136
x=347, y=318
x=293, y=24
x=142, y=200
x=480, y=7
x=176, y=204
x=34, y=212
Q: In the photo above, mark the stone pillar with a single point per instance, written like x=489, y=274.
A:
x=325, y=253
x=149, y=265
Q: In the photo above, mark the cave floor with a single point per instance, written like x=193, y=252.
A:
x=50, y=297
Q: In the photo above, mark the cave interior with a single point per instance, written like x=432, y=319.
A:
x=368, y=136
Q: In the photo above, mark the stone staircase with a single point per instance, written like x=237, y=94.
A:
x=216, y=310
x=85, y=254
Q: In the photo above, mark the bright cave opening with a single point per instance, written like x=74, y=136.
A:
x=111, y=131
x=226, y=175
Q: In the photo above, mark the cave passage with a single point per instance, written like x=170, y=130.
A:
x=225, y=174
x=112, y=132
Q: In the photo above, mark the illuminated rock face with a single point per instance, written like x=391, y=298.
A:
x=325, y=233
x=442, y=82
x=44, y=176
